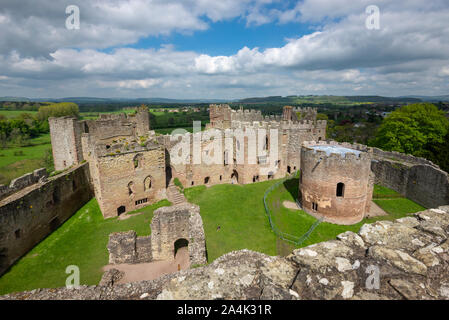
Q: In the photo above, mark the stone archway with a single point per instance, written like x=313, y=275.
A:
x=181, y=254
x=179, y=244
x=235, y=177
x=121, y=210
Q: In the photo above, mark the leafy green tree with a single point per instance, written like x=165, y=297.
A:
x=412, y=129
x=58, y=110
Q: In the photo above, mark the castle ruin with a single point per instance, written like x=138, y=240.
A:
x=131, y=166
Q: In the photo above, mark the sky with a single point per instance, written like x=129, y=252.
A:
x=223, y=49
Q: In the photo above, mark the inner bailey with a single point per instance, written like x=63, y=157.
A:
x=31, y=214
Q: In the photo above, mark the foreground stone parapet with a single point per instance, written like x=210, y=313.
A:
x=402, y=259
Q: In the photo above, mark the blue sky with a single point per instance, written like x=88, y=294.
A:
x=223, y=49
x=227, y=37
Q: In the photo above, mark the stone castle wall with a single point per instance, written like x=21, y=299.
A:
x=65, y=133
x=320, y=175
x=127, y=181
x=28, y=216
x=170, y=224
x=23, y=182
x=415, y=178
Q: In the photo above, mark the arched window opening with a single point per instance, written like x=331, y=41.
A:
x=340, y=189
x=225, y=156
x=138, y=159
x=206, y=180
x=130, y=188
x=147, y=184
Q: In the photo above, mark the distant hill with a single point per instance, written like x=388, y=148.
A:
x=432, y=98
x=341, y=100
x=93, y=100
x=15, y=99
x=293, y=99
x=81, y=100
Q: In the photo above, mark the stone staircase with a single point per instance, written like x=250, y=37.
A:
x=174, y=196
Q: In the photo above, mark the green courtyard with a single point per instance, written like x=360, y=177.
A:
x=234, y=218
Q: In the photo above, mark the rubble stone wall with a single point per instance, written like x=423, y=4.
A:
x=28, y=216
x=415, y=178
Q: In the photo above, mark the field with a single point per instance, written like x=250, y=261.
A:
x=15, y=113
x=17, y=161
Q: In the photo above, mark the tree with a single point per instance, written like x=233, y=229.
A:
x=413, y=129
x=58, y=110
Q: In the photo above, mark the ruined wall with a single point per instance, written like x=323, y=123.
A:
x=31, y=214
x=415, y=178
x=320, y=176
x=23, y=182
x=65, y=133
x=170, y=224
x=221, y=171
x=126, y=247
x=220, y=116
x=246, y=115
x=306, y=113
x=128, y=180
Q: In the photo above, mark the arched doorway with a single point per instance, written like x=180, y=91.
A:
x=181, y=254
x=234, y=177
x=120, y=210
x=179, y=244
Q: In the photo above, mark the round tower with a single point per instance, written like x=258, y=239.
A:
x=336, y=182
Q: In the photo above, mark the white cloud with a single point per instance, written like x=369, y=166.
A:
x=410, y=54
x=444, y=72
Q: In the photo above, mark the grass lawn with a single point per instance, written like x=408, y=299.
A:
x=239, y=211
x=16, y=161
x=297, y=222
x=80, y=241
